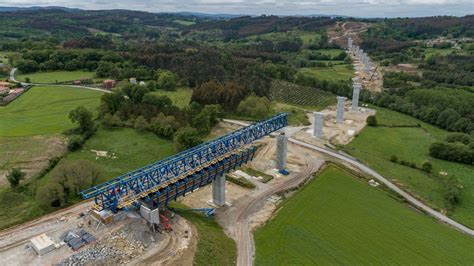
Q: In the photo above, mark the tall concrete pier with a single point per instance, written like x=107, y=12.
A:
x=340, y=109
x=349, y=44
x=282, y=150
x=318, y=125
x=355, y=96
x=218, y=190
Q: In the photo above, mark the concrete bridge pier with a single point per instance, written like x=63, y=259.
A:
x=218, y=191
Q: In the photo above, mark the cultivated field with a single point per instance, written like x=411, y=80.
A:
x=375, y=146
x=339, y=219
x=55, y=77
x=334, y=73
x=43, y=110
x=180, y=97
x=300, y=96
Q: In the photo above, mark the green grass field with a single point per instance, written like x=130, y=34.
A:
x=334, y=73
x=44, y=110
x=214, y=247
x=331, y=52
x=180, y=97
x=132, y=148
x=339, y=219
x=375, y=146
x=55, y=77
x=429, y=52
x=184, y=22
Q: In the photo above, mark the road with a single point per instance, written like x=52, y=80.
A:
x=13, y=79
x=367, y=170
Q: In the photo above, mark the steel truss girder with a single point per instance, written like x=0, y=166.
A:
x=167, y=171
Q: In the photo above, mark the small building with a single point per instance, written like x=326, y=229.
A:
x=142, y=83
x=108, y=84
x=77, y=82
x=133, y=81
x=42, y=244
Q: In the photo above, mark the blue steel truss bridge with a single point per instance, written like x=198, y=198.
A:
x=182, y=173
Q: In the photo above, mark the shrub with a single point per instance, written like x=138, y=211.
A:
x=427, y=167
x=75, y=143
x=255, y=107
x=394, y=158
x=459, y=137
x=186, y=137
x=14, y=177
x=372, y=121
x=141, y=124
x=456, y=152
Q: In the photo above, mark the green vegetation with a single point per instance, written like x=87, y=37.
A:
x=301, y=96
x=240, y=181
x=334, y=73
x=44, y=110
x=180, y=97
x=127, y=149
x=56, y=77
x=184, y=22
x=411, y=144
x=265, y=178
x=338, y=219
x=214, y=247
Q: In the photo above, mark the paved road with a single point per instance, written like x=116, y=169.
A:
x=12, y=78
x=364, y=168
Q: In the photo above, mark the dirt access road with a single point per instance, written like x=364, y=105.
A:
x=343, y=30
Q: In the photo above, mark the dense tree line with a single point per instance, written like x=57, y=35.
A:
x=456, y=147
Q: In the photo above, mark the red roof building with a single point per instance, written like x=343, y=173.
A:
x=108, y=84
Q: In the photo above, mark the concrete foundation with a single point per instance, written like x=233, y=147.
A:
x=355, y=96
x=340, y=109
x=318, y=125
x=218, y=191
x=42, y=244
x=282, y=150
x=151, y=215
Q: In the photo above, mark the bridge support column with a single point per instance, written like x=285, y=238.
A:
x=318, y=125
x=282, y=149
x=355, y=96
x=218, y=190
x=340, y=109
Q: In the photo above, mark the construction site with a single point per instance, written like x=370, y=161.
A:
x=127, y=220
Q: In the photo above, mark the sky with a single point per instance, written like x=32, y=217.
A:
x=356, y=8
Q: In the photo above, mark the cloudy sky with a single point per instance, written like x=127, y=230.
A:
x=360, y=8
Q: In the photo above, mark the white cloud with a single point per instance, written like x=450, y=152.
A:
x=362, y=8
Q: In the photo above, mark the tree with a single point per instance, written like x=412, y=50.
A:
x=14, y=177
x=74, y=176
x=426, y=166
x=110, y=121
x=255, y=107
x=111, y=103
x=166, y=80
x=83, y=117
x=50, y=195
x=28, y=66
x=75, y=143
x=141, y=124
x=186, y=137
x=372, y=121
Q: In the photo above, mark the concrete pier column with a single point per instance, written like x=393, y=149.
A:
x=282, y=149
x=218, y=190
x=349, y=43
x=318, y=125
x=340, y=109
x=355, y=96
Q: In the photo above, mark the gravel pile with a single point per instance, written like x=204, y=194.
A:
x=120, y=247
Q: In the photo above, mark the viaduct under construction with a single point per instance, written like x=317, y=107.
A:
x=155, y=185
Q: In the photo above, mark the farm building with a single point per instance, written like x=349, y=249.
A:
x=133, y=81
x=108, y=84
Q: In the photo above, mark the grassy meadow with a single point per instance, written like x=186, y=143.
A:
x=339, y=219
x=214, y=247
x=375, y=145
x=180, y=97
x=55, y=77
x=335, y=73
x=44, y=110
